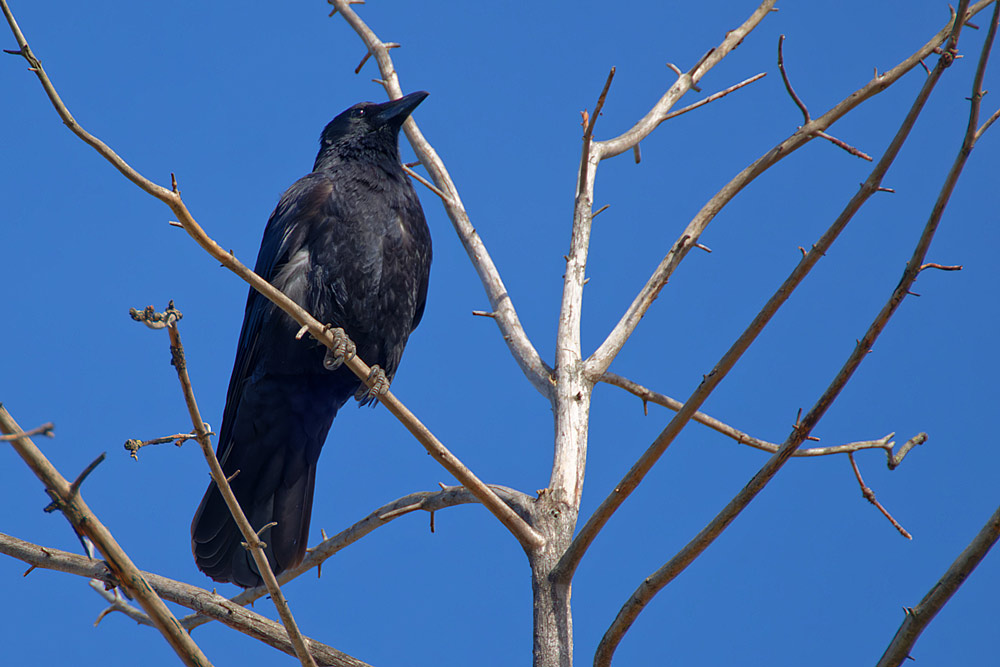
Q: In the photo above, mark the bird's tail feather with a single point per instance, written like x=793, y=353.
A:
x=217, y=542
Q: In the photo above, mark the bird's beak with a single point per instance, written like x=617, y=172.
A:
x=397, y=111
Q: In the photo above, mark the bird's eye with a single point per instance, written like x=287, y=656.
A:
x=358, y=113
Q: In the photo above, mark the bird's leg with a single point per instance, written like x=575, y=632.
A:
x=376, y=385
x=343, y=349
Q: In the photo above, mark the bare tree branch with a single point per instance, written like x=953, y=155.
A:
x=85, y=522
x=601, y=359
x=711, y=98
x=653, y=584
x=208, y=603
x=132, y=445
x=527, y=357
x=524, y=532
x=45, y=429
x=884, y=443
x=429, y=501
x=252, y=537
x=870, y=497
x=918, y=618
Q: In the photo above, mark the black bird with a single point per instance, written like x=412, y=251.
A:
x=348, y=243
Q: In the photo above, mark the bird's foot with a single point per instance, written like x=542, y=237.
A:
x=343, y=349
x=376, y=385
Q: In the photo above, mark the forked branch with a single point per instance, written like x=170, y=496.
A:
x=653, y=584
x=711, y=380
x=208, y=603
x=884, y=443
x=601, y=359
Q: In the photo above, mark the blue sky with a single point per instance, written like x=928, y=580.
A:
x=232, y=96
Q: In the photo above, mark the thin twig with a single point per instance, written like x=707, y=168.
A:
x=846, y=146
x=711, y=98
x=870, y=497
x=430, y=186
x=74, y=488
x=133, y=445
x=45, y=430
x=788, y=84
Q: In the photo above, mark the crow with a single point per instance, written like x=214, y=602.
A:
x=348, y=243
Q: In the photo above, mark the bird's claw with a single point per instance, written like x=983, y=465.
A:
x=375, y=386
x=343, y=349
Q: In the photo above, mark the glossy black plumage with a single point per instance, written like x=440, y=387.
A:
x=349, y=243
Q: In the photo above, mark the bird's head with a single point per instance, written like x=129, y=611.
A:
x=366, y=130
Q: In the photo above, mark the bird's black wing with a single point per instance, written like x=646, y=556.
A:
x=303, y=206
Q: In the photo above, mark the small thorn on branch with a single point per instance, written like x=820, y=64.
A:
x=889, y=190
x=427, y=184
x=941, y=267
x=847, y=147
x=391, y=514
x=357, y=70
x=703, y=247
x=74, y=488
x=599, y=211
x=588, y=120
x=637, y=153
x=260, y=532
x=484, y=313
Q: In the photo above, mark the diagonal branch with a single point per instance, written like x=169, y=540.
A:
x=710, y=381
x=656, y=582
x=527, y=357
x=601, y=359
x=253, y=541
x=525, y=534
x=85, y=522
x=208, y=603
x=918, y=618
